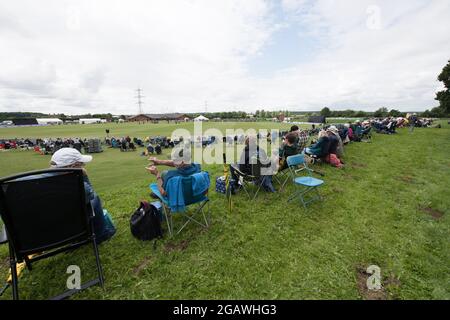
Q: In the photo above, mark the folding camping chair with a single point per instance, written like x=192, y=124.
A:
x=254, y=178
x=45, y=213
x=305, y=184
x=202, y=201
x=282, y=176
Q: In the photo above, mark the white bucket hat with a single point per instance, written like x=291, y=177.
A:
x=333, y=129
x=68, y=156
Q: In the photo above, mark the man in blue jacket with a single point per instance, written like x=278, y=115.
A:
x=183, y=167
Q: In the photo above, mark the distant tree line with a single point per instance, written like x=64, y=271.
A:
x=221, y=115
x=15, y=115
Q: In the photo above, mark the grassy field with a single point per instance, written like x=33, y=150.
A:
x=389, y=207
x=124, y=129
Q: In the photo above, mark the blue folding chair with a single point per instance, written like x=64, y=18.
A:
x=304, y=184
x=189, y=199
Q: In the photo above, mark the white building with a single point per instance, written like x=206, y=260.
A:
x=47, y=121
x=90, y=121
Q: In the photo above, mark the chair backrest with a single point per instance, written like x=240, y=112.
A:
x=189, y=198
x=255, y=166
x=296, y=160
x=44, y=209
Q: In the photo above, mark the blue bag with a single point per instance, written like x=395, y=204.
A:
x=221, y=186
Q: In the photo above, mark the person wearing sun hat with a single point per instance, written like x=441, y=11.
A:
x=340, y=144
x=71, y=158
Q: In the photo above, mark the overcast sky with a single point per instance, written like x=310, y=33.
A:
x=90, y=56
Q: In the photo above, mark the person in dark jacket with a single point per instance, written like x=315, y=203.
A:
x=288, y=148
x=321, y=147
x=251, y=153
x=332, y=157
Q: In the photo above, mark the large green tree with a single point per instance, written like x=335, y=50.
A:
x=326, y=112
x=395, y=113
x=444, y=96
x=382, y=112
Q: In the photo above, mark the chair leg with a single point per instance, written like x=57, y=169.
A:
x=13, y=266
x=97, y=261
x=257, y=190
x=303, y=202
x=245, y=186
x=207, y=218
x=294, y=195
x=191, y=217
x=284, y=184
x=169, y=220
x=318, y=194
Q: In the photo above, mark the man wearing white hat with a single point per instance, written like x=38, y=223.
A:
x=72, y=158
x=69, y=158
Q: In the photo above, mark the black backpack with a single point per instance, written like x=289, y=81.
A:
x=145, y=223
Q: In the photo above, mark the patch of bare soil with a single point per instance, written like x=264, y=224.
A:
x=364, y=291
x=406, y=179
x=387, y=282
x=436, y=214
x=358, y=165
x=391, y=281
x=141, y=266
x=180, y=246
x=349, y=176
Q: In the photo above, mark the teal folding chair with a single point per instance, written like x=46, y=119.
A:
x=201, y=201
x=305, y=185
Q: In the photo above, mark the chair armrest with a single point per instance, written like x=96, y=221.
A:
x=91, y=209
x=3, y=235
x=301, y=169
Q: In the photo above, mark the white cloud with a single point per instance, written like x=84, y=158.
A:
x=90, y=56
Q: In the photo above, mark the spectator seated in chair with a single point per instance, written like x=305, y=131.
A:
x=288, y=148
x=72, y=158
x=338, y=150
x=332, y=157
x=320, y=148
x=251, y=153
x=181, y=161
x=302, y=136
x=357, y=131
x=349, y=133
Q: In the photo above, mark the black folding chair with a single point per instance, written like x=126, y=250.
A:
x=45, y=213
x=247, y=180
